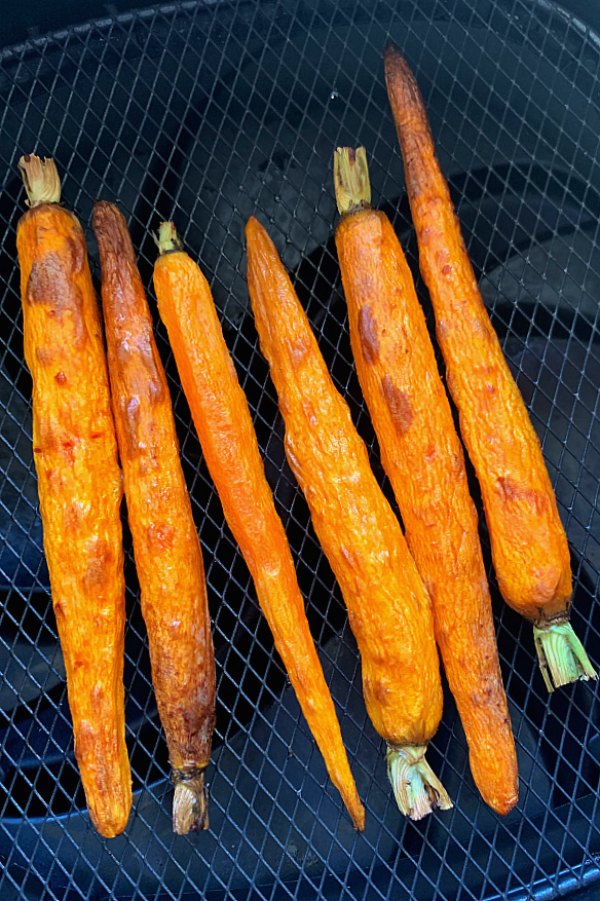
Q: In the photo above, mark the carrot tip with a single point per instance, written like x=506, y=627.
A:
x=561, y=655
x=356, y=811
x=190, y=802
x=417, y=789
x=40, y=179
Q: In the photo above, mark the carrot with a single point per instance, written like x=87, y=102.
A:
x=388, y=607
x=529, y=544
x=79, y=484
x=222, y=418
x=165, y=541
x=423, y=458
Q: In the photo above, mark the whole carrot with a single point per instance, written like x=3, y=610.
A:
x=423, y=458
x=529, y=545
x=388, y=607
x=167, y=551
x=222, y=418
x=79, y=484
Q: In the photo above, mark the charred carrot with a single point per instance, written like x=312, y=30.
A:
x=79, y=484
x=222, y=419
x=529, y=544
x=423, y=458
x=388, y=607
x=166, y=547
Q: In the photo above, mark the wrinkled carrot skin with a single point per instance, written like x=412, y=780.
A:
x=388, y=607
x=224, y=425
x=529, y=545
x=423, y=458
x=167, y=551
x=80, y=492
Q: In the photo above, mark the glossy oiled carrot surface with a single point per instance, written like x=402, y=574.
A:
x=222, y=418
x=529, y=545
x=165, y=541
x=423, y=459
x=79, y=484
x=388, y=607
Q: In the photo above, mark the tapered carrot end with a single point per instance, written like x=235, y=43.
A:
x=260, y=249
x=396, y=66
x=561, y=655
x=354, y=807
x=254, y=228
x=393, y=58
x=112, y=233
x=417, y=789
x=403, y=90
x=190, y=802
x=40, y=179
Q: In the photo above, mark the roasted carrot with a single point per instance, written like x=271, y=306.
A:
x=388, y=607
x=222, y=418
x=79, y=484
x=423, y=458
x=166, y=547
x=529, y=545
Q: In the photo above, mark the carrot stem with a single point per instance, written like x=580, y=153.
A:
x=421, y=454
x=40, y=179
x=351, y=179
x=417, y=789
x=167, y=240
x=190, y=801
x=561, y=655
x=388, y=606
x=224, y=425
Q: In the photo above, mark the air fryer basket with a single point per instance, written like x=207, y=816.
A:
x=207, y=112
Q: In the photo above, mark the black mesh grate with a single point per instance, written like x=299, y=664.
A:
x=207, y=113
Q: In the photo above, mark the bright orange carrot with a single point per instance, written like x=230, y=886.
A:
x=423, y=458
x=529, y=545
x=79, y=483
x=222, y=418
x=167, y=551
x=388, y=607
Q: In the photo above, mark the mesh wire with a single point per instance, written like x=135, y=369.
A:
x=207, y=113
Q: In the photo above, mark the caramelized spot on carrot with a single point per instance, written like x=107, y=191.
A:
x=510, y=490
x=49, y=283
x=399, y=405
x=77, y=251
x=367, y=331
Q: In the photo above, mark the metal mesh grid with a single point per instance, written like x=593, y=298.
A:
x=207, y=113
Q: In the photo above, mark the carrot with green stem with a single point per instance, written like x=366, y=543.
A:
x=529, y=545
x=222, y=419
x=423, y=458
x=166, y=547
x=388, y=606
x=79, y=484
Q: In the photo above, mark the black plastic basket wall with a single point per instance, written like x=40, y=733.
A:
x=207, y=113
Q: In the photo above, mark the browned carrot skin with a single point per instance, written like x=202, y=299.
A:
x=388, y=607
x=222, y=418
x=423, y=458
x=79, y=485
x=165, y=541
x=529, y=545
